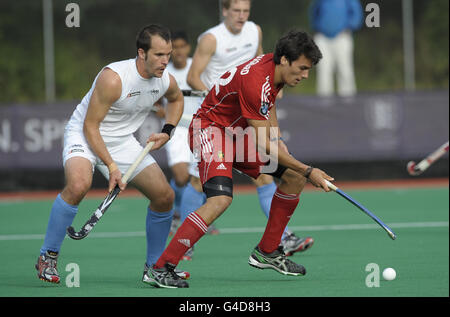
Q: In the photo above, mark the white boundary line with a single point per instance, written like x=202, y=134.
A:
x=436, y=224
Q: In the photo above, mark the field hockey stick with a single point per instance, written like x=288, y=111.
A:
x=361, y=207
x=417, y=169
x=194, y=93
x=89, y=225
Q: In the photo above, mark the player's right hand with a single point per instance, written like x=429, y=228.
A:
x=159, y=138
x=115, y=178
x=318, y=177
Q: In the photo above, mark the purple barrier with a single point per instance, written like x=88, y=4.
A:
x=394, y=126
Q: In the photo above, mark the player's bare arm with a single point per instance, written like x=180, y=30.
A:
x=175, y=102
x=159, y=109
x=108, y=89
x=273, y=121
x=260, y=50
x=174, y=111
x=317, y=176
x=205, y=50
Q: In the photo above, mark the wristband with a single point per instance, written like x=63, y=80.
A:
x=308, y=171
x=112, y=167
x=168, y=129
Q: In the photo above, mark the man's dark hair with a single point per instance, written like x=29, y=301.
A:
x=180, y=35
x=294, y=44
x=144, y=37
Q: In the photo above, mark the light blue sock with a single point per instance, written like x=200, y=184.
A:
x=178, y=193
x=61, y=217
x=265, y=195
x=157, y=231
x=191, y=201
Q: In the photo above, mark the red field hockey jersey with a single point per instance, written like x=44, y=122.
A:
x=244, y=92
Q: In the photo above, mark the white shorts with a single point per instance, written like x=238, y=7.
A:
x=193, y=169
x=177, y=148
x=178, y=151
x=123, y=150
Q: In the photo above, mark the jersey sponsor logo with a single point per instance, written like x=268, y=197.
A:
x=132, y=94
x=231, y=49
x=265, y=93
x=221, y=167
x=76, y=150
x=264, y=110
x=153, y=91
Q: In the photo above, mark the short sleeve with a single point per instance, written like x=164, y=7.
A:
x=253, y=100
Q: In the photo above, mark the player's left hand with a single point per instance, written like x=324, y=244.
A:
x=318, y=177
x=159, y=138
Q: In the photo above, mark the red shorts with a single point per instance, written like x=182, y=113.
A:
x=219, y=151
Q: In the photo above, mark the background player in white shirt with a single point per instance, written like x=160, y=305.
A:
x=100, y=134
x=233, y=42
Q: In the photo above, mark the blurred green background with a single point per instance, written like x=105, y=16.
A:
x=107, y=33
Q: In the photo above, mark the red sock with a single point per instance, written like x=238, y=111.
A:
x=190, y=231
x=281, y=210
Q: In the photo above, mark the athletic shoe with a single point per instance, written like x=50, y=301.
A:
x=277, y=261
x=46, y=267
x=164, y=277
x=291, y=243
x=188, y=255
x=212, y=230
x=185, y=275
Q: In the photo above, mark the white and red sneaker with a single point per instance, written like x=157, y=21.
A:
x=46, y=267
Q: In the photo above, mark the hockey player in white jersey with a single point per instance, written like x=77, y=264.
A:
x=99, y=135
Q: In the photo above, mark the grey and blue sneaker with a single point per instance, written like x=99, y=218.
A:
x=188, y=255
x=291, y=243
x=165, y=277
x=276, y=260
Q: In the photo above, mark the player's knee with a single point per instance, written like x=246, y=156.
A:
x=196, y=183
x=181, y=179
x=165, y=200
x=74, y=192
x=219, y=186
x=263, y=179
x=223, y=202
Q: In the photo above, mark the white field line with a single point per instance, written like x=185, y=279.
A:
x=436, y=224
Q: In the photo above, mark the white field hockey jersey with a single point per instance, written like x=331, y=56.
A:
x=231, y=50
x=191, y=104
x=128, y=113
